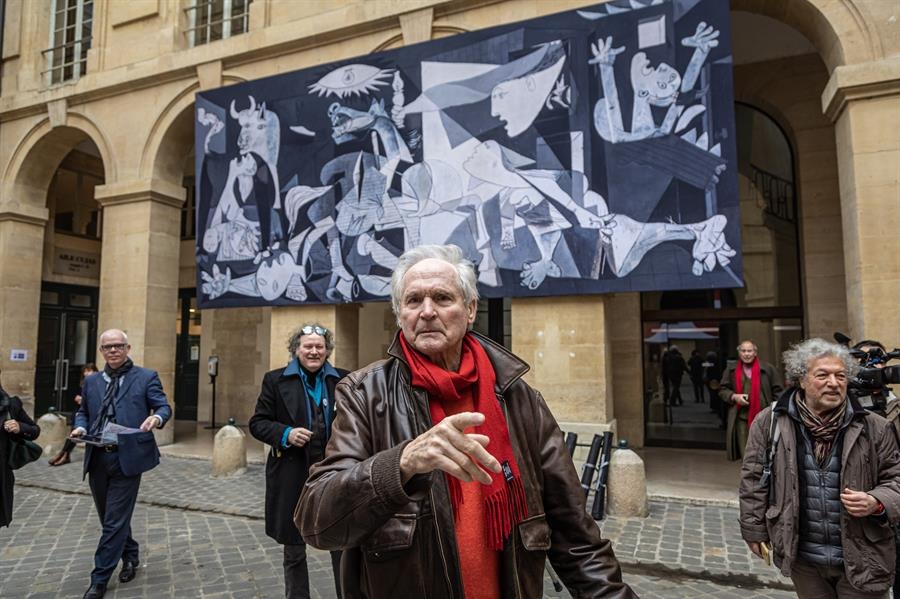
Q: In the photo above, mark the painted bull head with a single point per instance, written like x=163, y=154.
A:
x=259, y=130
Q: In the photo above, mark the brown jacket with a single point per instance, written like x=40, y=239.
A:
x=870, y=462
x=769, y=390
x=399, y=541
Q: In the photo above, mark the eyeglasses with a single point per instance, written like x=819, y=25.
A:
x=310, y=329
x=113, y=346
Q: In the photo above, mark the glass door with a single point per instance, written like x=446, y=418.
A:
x=67, y=330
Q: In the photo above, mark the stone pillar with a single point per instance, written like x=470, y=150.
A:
x=229, y=451
x=567, y=343
x=21, y=253
x=626, y=344
x=869, y=171
x=342, y=320
x=626, y=494
x=139, y=274
x=54, y=430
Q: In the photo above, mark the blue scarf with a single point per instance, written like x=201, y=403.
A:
x=317, y=388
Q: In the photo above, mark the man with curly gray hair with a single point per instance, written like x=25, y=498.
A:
x=820, y=481
x=293, y=415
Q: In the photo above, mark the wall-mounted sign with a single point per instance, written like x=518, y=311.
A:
x=18, y=355
x=588, y=151
x=73, y=262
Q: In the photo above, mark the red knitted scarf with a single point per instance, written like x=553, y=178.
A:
x=755, y=407
x=504, y=498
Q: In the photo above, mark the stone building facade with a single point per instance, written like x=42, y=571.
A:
x=96, y=163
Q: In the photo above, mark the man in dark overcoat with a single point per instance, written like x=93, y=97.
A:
x=293, y=416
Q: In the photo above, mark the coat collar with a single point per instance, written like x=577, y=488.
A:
x=508, y=368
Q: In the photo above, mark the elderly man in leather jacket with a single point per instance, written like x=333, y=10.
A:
x=820, y=486
x=446, y=475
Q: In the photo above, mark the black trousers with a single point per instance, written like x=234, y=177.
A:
x=114, y=497
x=296, y=572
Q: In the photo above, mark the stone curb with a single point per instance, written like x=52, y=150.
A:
x=698, y=501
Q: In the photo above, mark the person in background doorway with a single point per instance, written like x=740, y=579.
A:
x=64, y=456
x=747, y=387
x=695, y=367
x=674, y=368
x=293, y=416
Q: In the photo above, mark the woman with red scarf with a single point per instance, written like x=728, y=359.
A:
x=446, y=476
x=748, y=387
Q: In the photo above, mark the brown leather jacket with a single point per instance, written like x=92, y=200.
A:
x=870, y=462
x=399, y=541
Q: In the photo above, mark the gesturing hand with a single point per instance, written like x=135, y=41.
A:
x=446, y=447
x=858, y=504
x=12, y=427
x=298, y=437
x=149, y=423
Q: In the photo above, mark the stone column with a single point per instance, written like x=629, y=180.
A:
x=139, y=274
x=567, y=343
x=342, y=320
x=21, y=254
x=869, y=172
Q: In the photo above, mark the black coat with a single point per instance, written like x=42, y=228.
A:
x=283, y=402
x=11, y=408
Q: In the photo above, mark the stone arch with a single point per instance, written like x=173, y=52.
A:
x=40, y=153
x=841, y=31
x=164, y=153
x=437, y=32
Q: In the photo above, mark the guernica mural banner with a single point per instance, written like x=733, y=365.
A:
x=589, y=151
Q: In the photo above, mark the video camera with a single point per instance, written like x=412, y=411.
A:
x=870, y=385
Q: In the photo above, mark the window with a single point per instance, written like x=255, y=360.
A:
x=211, y=20
x=70, y=39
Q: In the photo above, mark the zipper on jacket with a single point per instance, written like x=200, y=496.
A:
x=437, y=527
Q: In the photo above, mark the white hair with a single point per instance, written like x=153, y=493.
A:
x=114, y=332
x=451, y=254
x=798, y=358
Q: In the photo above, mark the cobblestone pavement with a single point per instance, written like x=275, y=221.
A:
x=214, y=541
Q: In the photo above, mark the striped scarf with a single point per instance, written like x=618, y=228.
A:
x=823, y=429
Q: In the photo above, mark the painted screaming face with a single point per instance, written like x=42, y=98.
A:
x=517, y=102
x=658, y=86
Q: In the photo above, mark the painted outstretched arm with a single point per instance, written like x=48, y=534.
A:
x=705, y=38
x=604, y=58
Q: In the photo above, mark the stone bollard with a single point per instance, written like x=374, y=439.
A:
x=229, y=451
x=54, y=430
x=627, y=487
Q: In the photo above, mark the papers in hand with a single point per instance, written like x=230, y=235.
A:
x=109, y=435
x=111, y=432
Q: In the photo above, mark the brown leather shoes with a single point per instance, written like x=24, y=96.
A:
x=59, y=459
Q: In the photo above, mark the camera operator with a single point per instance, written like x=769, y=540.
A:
x=870, y=385
x=875, y=356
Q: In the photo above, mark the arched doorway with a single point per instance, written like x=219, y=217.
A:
x=690, y=337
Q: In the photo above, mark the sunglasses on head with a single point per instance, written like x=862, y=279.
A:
x=310, y=329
